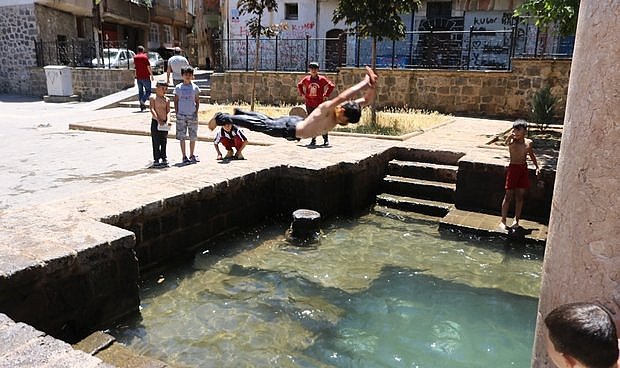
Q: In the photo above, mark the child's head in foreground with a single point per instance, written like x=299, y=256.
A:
x=582, y=334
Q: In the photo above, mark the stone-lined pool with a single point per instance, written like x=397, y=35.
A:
x=379, y=291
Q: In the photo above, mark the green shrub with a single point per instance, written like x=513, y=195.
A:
x=543, y=108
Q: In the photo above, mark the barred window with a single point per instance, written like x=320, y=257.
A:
x=291, y=11
x=167, y=34
x=154, y=33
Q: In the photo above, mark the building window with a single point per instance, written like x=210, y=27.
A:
x=79, y=22
x=291, y=11
x=154, y=33
x=167, y=34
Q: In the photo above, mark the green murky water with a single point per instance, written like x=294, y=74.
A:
x=377, y=292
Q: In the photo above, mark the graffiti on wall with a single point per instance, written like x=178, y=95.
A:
x=488, y=49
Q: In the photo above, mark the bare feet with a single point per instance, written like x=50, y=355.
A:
x=502, y=226
x=515, y=224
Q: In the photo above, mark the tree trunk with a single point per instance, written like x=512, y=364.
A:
x=256, y=64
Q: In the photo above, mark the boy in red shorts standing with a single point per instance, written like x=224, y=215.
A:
x=230, y=136
x=517, y=176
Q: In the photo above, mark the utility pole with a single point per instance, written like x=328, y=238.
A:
x=97, y=30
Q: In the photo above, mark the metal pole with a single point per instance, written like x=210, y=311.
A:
x=536, y=44
x=247, y=53
x=276, y=53
x=357, y=50
x=512, y=45
x=307, y=50
x=471, y=33
x=393, y=52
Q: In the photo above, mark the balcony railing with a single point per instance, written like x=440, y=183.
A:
x=125, y=11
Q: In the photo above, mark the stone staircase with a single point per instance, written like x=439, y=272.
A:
x=424, y=185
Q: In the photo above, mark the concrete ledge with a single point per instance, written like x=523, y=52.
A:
x=23, y=346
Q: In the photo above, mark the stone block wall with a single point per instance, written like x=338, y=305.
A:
x=480, y=188
x=479, y=93
x=89, y=83
x=69, y=277
x=92, y=83
x=18, y=32
x=174, y=227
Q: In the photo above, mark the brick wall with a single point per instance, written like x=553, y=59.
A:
x=478, y=93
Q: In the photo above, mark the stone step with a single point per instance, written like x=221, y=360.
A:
x=427, y=207
x=402, y=215
x=429, y=155
x=488, y=225
x=423, y=170
x=170, y=90
x=418, y=188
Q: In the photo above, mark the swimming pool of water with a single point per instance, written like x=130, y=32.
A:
x=378, y=291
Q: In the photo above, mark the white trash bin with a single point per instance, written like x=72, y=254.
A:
x=59, y=80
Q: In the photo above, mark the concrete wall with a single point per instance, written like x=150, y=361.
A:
x=53, y=23
x=492, y=94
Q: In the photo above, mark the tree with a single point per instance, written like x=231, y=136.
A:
x=563, y=13
x=379, y=19
x=257, y=8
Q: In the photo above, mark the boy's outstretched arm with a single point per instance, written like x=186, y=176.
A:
x=370, y=80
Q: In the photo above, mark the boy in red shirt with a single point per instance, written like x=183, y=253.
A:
x=315, y=89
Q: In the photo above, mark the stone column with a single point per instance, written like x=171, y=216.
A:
x=582, y=259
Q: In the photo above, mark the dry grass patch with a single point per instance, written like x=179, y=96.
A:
x=392, y=121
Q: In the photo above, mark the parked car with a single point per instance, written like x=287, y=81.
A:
x=115, y=58
x=157, y=62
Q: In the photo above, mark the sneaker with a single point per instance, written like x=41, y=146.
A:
x=313, y=142
x=229, y=154
x=164, y=163
x=239, y=156
x=186, y=160
x=326, y=142
x=142, y=107
x=193, y=159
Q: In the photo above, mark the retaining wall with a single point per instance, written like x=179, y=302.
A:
x=89, y=83
x=503, y=94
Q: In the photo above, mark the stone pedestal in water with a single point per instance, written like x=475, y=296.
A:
x=305, y=228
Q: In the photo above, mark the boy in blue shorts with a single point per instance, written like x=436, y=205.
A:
x=186, y=103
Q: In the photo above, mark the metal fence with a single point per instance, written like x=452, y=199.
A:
x=84, y=53
x=463, y=50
